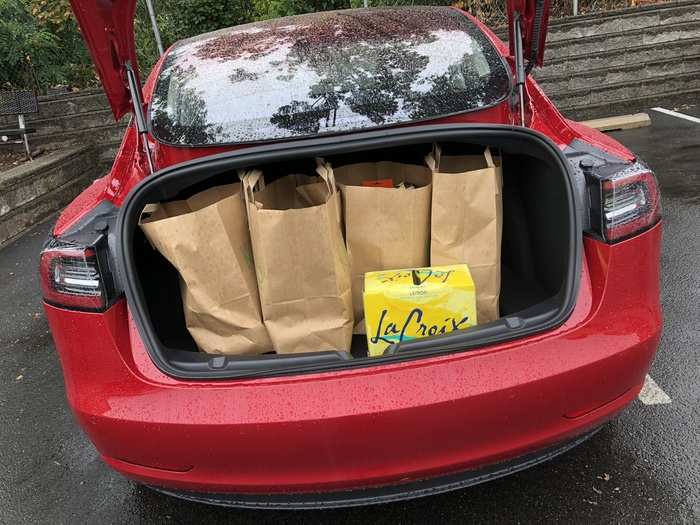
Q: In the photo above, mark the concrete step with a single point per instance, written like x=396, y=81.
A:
x=636, y=18
x=620, y=91
x=98, y=135
x=579, y=47
x=107, y=141
x=79, y=125
x=106, y=151
x=619, y=57
x=51, y=106
x=16, y=223
x=631, y=73
x=33, y=191
x=57, y=105
x=47, y=172
x=72, y=121
x=668, y=99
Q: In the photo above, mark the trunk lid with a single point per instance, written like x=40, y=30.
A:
x=108, y=29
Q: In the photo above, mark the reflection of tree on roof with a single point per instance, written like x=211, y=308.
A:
x=369, y=84
x=462, y=79
x=333, y=71
x=314, y=33
x=240, y=74
x=365, y=59
x=188, y=124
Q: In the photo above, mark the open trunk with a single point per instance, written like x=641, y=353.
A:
x=540, y=247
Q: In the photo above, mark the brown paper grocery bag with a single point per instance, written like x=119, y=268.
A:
x=301, y=261
x=466, y=221
x=385, y=228
x=206, y=239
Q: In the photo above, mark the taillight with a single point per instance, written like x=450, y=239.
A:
x=71, y=278
x=628, y=203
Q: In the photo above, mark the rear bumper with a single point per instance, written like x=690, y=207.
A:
x=359, y=429
x=373, y=496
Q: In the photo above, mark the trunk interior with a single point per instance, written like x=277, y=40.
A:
x=536, y=256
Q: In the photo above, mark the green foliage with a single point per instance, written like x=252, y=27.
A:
x=194, y=17
x=178, y=19
x=55, y=14
x=24, y=44
x=41, y=45
x=265, y=9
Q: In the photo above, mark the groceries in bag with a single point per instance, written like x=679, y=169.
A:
x=206, y=239
x=300, y=261
x=466, y=221
x=387, y=224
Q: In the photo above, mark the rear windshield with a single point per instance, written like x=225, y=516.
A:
x=324, y=73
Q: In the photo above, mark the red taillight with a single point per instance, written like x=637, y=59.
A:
x=70, y=277
x=630, y=203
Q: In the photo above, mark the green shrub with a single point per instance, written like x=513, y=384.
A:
x=26, y=47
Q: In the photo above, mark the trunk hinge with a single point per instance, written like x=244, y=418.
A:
x=520, y=72
x=139, y=115
x=536, y=32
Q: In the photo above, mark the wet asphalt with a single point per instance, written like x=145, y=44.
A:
x=644, y=467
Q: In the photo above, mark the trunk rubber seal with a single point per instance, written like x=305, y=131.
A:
x=166, y=183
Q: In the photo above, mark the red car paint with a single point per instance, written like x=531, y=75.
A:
x=426, y=417
x=108, y=29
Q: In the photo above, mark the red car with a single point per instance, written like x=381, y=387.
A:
x=580, y=314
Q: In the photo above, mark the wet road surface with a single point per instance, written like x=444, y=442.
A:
x=643, y=467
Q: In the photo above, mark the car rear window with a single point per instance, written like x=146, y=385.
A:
x=327, y=72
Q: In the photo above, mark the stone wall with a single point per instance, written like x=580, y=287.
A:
x=35, y=190
x=75, y=119
x=624, y=61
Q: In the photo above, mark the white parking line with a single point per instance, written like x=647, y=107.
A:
x=652, y=394
x=676, y=114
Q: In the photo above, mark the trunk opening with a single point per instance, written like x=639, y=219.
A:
x=539, y=257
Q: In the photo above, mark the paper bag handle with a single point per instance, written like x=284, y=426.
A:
x=249, y=179
x=489, y=158
x=325, y=171
x=432, y=160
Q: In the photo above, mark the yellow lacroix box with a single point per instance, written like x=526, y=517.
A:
x=401, y=305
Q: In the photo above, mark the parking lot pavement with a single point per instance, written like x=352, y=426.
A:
x=643, y=467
